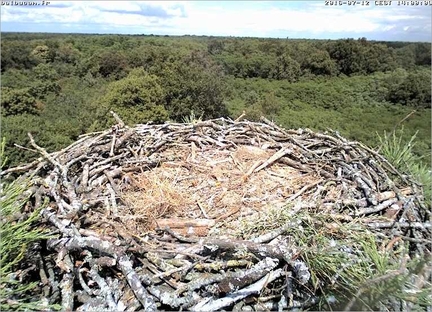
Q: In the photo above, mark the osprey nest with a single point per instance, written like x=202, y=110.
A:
x=216, y=214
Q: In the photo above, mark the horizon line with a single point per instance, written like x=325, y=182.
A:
x=209, y=36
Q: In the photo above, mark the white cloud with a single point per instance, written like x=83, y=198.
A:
x=128, y=6
x=389, y=27
x=250, y=21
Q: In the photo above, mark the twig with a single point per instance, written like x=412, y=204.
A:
x=377, y=208
x=303, y=189
x=25, y=148
x=44, y=153
x=103, y=286
x=411, y=225
x=202, y=210
x=284, y=151
x=260, y=250
x=273, y=234
x=21, y=168
x=403, y=119
x=135, y=283
x=240, y=117
x=252, y=169
x=66, y=285
x=213, y=305
x=113, y=144
x=226, y=281
x=104, y=247
x=118, y=119
x=111, y=191
x=376, y=280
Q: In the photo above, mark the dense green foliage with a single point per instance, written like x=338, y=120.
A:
x=59, y=86
x=137, y=98
x=354, y=106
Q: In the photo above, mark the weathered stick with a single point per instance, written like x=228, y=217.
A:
x=378, y=208
x=213, y=305
x=411, y=225
x=275, y=157
x=303, y=189
x=118, y=119
x=225, y=279
x=66, y=285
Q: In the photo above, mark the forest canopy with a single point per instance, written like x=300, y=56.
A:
x=59, y=86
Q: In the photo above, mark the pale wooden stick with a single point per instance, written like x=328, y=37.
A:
x=304, y=189
x=112, y=145
x=275, y=157
x=118, y=119
x=240, y=117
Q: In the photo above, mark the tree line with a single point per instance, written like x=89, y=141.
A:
x=62, y=85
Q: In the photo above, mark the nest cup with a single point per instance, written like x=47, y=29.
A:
x=201, y=216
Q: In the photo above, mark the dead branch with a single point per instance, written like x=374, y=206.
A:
x=210, y=305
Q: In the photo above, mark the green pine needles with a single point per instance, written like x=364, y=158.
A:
x=399, y=152
x=16, y=235
x=352, y=268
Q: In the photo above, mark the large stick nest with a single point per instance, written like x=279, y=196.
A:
x=170, y=216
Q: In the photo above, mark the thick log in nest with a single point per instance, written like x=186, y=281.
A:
x=206, y=216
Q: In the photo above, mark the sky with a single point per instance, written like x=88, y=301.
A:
x=275, y=19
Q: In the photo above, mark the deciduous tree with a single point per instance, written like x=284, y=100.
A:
x=138, y=98
x=17, y=101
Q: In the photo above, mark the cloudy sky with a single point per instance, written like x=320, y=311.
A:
x=279, y=19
